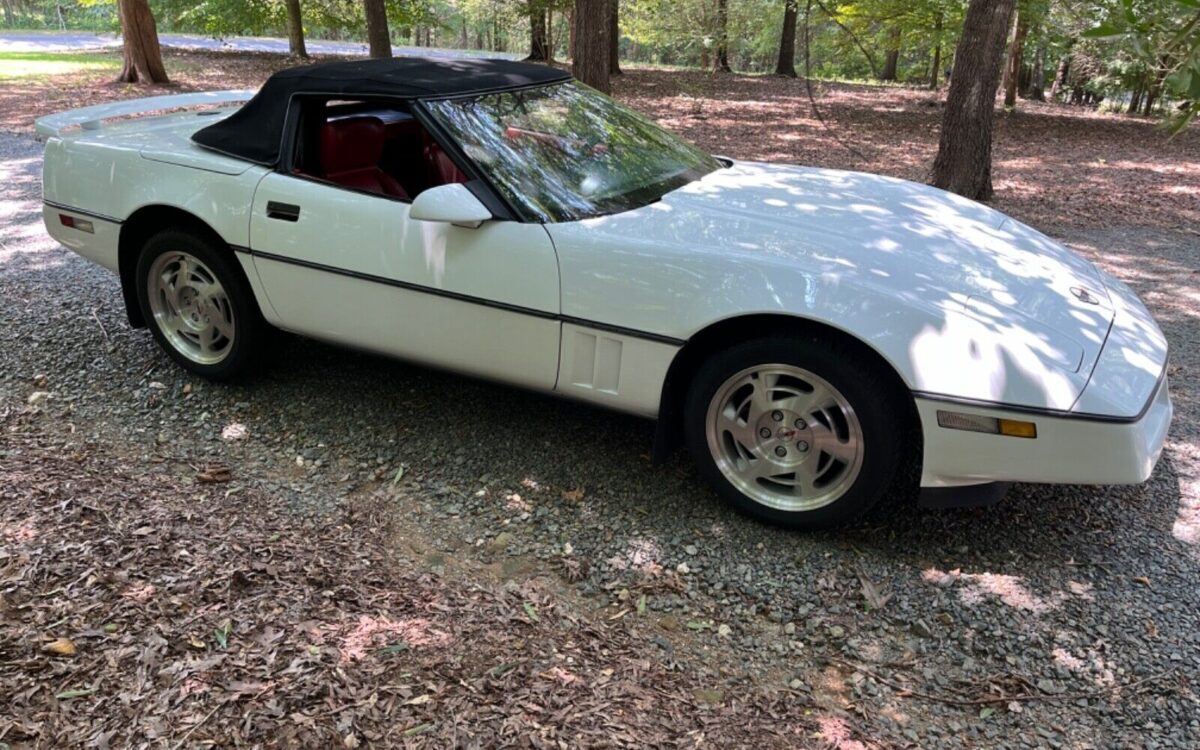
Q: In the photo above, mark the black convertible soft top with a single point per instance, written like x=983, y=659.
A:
x=255, y=131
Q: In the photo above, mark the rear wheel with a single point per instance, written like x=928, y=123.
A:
x=796, y=431
x=199, y=306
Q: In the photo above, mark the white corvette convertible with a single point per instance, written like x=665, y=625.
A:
x=806, y=332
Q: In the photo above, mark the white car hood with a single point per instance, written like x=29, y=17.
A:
x=903, y=238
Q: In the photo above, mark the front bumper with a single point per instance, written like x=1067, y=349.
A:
x=1114, y=434
x=1067, y=450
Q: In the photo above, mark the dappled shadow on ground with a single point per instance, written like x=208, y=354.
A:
x=1053, y=165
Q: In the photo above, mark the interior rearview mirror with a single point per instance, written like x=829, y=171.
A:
x=450, y=204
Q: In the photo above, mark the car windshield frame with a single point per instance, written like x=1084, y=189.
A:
x=537, y=186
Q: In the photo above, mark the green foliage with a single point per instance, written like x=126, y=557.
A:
x=1156, y=44
x=1115, y=50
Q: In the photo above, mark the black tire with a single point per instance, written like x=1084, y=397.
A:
x=872, y=394
x=251, y=333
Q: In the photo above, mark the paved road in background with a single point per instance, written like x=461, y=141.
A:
x=67, y=41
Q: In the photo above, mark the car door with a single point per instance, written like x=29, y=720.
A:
x=351, y=267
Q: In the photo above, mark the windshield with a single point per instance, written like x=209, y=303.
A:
x=567, y=152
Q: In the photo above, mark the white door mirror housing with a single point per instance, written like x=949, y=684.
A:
x=450, y=204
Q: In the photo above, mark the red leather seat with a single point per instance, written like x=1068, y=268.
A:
x=350, y=154
x=442, y=169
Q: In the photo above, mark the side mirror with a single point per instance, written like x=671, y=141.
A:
x=450, y=204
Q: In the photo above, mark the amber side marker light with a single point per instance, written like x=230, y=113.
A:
x=953, y=420
x=82, y=225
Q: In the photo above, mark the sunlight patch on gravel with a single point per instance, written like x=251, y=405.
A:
x=369, y=633
x=1009, y=589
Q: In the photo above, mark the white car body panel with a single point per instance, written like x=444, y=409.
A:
x=975, y=312
x=921, y=275
x=481, y=301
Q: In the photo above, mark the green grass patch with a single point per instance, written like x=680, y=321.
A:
x=43, y=65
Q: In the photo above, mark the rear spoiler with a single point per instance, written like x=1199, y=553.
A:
x=92, y=118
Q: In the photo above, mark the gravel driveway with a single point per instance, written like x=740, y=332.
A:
x=1086, y=601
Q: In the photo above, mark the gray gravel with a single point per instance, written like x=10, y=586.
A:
x=1066, y=592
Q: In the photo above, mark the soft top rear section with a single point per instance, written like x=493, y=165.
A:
x=92, y=118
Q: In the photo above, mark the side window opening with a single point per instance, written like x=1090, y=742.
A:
x=370, y=146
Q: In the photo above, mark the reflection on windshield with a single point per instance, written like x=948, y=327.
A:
x=567, y=152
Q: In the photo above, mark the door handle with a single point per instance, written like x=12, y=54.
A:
x=283, y=211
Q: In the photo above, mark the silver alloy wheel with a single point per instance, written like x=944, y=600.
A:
x=784, y=437
x=191, y=307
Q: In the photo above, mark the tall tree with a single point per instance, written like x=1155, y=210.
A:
x=964, y=159
x=139, y=36
x=891, y=59
x=1016, y=57
x=935, y=74
x=295, y=29
x=614, y=38
x=591, y=25
x=721, y=59
x=785, y=64
x=378, y=36
x=539, y=42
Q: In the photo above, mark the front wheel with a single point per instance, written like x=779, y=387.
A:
x=795, y=431
x=198, y=305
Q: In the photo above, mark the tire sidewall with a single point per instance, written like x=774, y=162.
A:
x=851, y=374
x=246, y=315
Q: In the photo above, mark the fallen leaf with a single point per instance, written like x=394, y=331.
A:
x=872, y=593
x=213, y=474
x=60, y=647
x=419, y=700
x=532, y=612
x=1143, y=580
x=78, y=693
x=573, y=496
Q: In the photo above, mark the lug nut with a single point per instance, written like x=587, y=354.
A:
x=777, y=415
x=764, y=433
x=802, y=446
x=781, y=451
x=801, y=424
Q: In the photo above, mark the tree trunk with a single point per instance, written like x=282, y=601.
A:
x=1155, y=88
x=378, y=36
x=964, y=159
x=721, y=59
x=936, y=74
x=9, y=17
x=892, y=59
x=143, y=57
x=571, y=33
x=1063, y=72
x=539, y=49
x=1037, y=76
x=1016, y=56
x=1135, y=97
x=614, y=38
x=786, y=64
x=295, y=29
x=590, y=63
